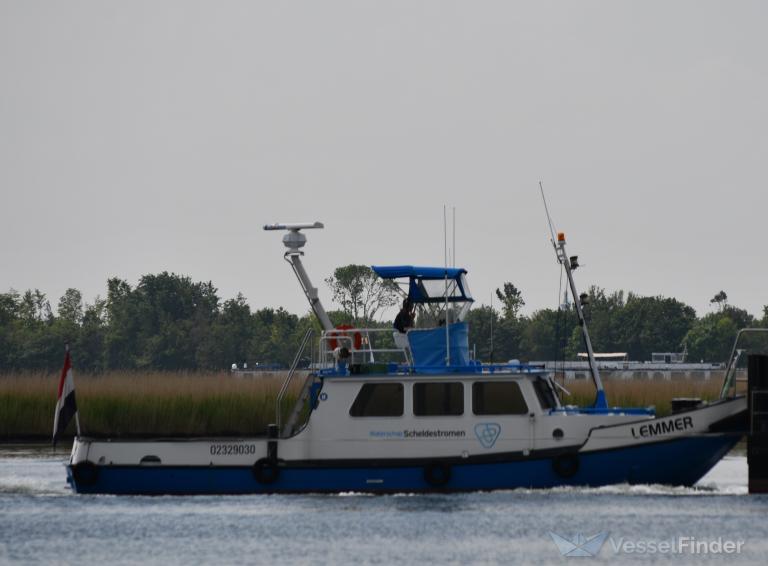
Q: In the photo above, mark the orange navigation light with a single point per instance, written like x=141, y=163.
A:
x=561, y=236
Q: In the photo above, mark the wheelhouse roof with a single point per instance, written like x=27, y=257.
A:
x=428, y=273
x=426, y=283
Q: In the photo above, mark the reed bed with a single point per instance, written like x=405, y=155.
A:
x=139, y=404
x=159, y=404
x=643, y=393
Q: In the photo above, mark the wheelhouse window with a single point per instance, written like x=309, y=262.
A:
x=438, y=399
x=378, y=400
x=545, y=394
x=498, y=398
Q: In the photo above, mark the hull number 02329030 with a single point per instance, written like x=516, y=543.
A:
x=232, y=449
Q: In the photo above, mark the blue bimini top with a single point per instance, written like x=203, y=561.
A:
x=428, y=284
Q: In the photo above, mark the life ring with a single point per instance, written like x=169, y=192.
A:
x=85, y=473
x=266, y=471
x=566, y=465
x=342, y=330
x=437, y=474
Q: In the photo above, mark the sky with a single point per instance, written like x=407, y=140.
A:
x=139, y=137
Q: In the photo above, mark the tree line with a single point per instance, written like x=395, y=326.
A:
x=169, y=322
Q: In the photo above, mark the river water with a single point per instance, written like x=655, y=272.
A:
x=43, y=522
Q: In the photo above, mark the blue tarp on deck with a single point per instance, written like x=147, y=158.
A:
x=428, y=347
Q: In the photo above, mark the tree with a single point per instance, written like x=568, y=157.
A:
x=120, y=341
x=544, y=334
x=361, y=293
x=710, y=338
x=720, y=299
x=511, y=300
x=653, y=324
x=602, y=314
x=71, y=306
x=9, y=307
x=89, y=347
x=34, y=307
x=230, y=336
x=9, y=315
x=483, y=322
x=276, y=337
x=161, y=324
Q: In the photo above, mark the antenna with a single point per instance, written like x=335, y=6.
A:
x=445, y=246
x=454, y=236
x=546, y=210
x=570, y=264
x=491, y=353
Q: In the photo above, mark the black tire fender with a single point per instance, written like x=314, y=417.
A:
x=437, y=474
x=566, y=465
x=266, y=471
x=85, y=473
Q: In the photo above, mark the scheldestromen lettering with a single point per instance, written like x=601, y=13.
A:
x=663, y=427
x=425, y=433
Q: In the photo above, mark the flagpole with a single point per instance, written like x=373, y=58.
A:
x=77, y=413
x=66, y=405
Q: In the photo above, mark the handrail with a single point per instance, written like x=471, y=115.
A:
x=287, y=380
x=730, y=370
x=431, y=370
x=346, y=337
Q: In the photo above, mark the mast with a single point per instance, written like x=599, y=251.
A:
x=570, y=264
x=294, y=240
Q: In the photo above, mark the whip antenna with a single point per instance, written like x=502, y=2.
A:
x=546, y=210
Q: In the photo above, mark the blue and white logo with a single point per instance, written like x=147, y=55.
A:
x=580, y=545
x=487, y=433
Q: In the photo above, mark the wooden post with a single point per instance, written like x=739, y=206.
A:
x=757, y=439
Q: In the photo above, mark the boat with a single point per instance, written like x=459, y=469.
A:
x=383, y=412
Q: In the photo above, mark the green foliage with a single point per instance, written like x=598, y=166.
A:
x=483, y=333
x=361, y=293
x=544, y=334
x=710, y=338
x=71, y=307
x=632, y=324
x=169, y=322
x=511, y=300
x=720, y=299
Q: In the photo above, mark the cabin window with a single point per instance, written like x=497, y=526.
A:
x=438, y=399
x=545, y=394
x=378, y=400
x=498, y=398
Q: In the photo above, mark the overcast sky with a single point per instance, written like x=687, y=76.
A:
x=138, y=137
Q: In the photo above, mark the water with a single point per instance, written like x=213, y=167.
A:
x=42, y=522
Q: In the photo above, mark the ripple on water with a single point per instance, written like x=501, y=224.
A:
x=42, y=521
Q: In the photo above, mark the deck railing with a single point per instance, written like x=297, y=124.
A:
x=363, y=346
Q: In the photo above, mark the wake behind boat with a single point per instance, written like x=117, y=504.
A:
x=388, y=411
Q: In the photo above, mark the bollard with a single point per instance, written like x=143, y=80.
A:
x=757, y=407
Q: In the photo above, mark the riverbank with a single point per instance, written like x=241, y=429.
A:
x=152, y=404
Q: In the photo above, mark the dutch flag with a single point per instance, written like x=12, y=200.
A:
x=66, y=406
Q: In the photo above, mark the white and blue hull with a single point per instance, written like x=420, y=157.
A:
x=675, y=462
x=676, y=450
